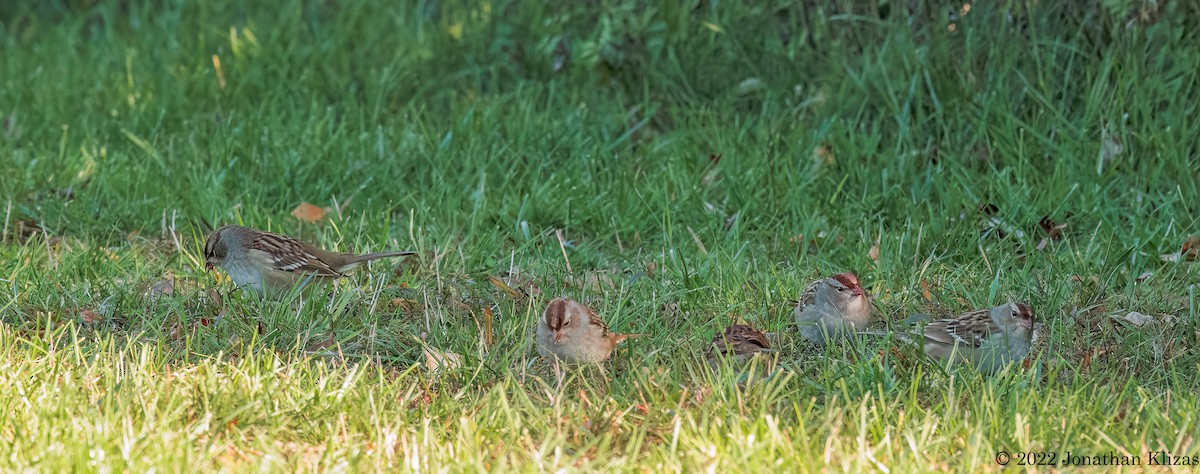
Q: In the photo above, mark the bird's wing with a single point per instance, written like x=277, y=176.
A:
x=290, y=255
x=739, y=339
x=809, y=296
x=970, y=329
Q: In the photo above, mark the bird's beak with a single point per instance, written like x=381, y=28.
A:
x=558, y=337
x=857, y=291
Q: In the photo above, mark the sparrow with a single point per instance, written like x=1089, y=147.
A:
x=739, y=342
x=274, y=263
x=987, y=339
x=571, y=332
x=832, y=308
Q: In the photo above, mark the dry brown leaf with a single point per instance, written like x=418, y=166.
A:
x=874, y=251
x=487, y=326
x=823, y=154
x=405, y=304
x=323, y=345
x=513, y=293
x=1053, y=231
x=164, y=287
x=1191, y=248
x=436, y=360
x=89, y=317
x=308, y=213
x=925, y=293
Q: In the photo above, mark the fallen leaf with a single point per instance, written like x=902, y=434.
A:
x=750, y=85
x=823, y=154
x=925, y=292
x=308, y=212
x=323, y=345
x=874, y=251
x=513, y=293
x=164, y=287
x=436, y=360
x=88, y=316
x=1110, y=149
x=487, y=326
x=562, y=54
x=1138, y=319
x=1053, y=231
x=1191, y=248
x=405, y=304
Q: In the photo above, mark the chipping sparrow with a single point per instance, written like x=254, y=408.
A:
x=571, y=332
x=268, y=261
x=832, y=308
x=988, y=339
x=739, y=342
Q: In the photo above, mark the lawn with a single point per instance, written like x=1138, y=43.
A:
x=678, y=167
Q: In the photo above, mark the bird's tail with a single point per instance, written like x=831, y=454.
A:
x=376, y=256
x=619, y=338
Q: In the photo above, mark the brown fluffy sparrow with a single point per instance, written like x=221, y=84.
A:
x=739, y=342
x=988, y=339
x=268, y=261
x=832, y=308
x=572, y=333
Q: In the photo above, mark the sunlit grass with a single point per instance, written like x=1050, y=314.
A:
x=702, y=164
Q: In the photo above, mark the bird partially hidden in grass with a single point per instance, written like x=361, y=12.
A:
x=987, y=339
x=572, y=333
x=739, y=344
x=272, y=264
x=833, y=308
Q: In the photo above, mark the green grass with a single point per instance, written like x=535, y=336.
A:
x=472, y=131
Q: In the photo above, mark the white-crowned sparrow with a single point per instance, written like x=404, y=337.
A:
x=832, y=308
x=987, y=339
x=571, y=332
x=274, y=263
x=739, y=343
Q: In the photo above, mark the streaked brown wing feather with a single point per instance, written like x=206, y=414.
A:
x=291, y=255
x=595, y=320
x=809, y=296
x=970, y=329
x=739, y=339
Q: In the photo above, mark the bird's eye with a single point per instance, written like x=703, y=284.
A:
x=1015, y=312
x=841, y=289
